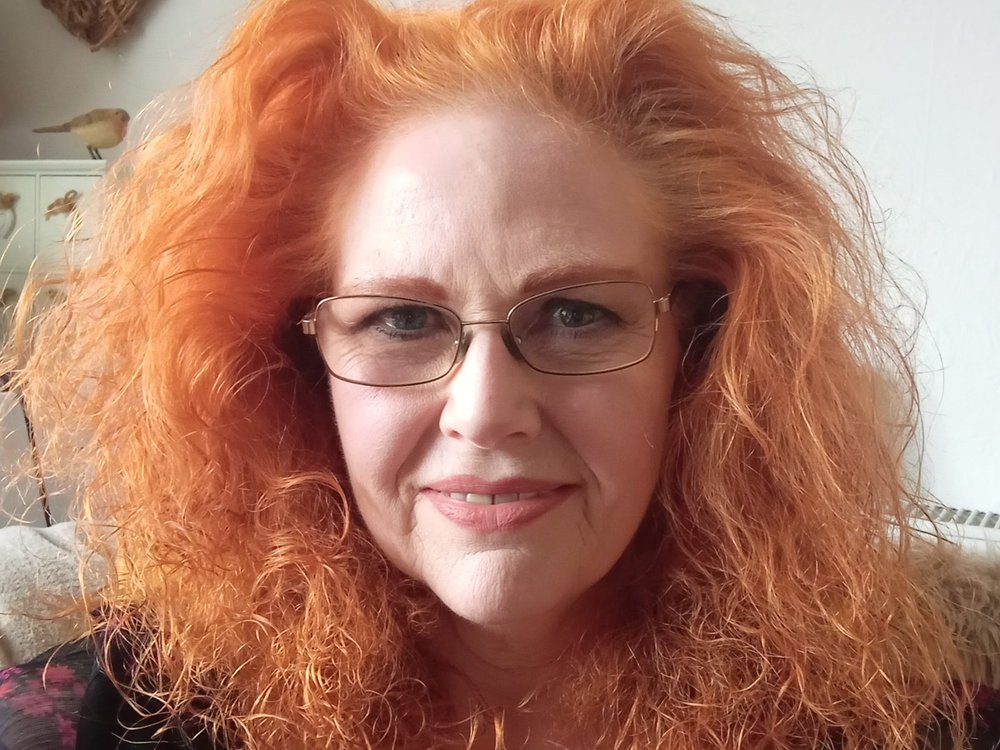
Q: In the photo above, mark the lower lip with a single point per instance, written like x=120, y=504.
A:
x=504, y=517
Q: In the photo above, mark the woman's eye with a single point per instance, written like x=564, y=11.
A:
x=404, y=321
x=577, y=314
x=413, y=318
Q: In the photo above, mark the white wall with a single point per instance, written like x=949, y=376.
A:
x=49, y=76
x=917, y=81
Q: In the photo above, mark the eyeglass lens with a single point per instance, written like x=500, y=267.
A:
x=577, y=330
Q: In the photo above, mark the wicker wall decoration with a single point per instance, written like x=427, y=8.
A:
x=97, y=22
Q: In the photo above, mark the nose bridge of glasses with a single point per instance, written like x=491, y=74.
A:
x=506, y=336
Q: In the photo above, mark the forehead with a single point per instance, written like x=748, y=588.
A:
x=497, y=200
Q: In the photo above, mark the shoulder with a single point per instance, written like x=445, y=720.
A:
x=963, y=585
x=985, y=724
x=64, y=700
x=40, y=700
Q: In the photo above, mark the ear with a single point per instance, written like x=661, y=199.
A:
x=699, y=309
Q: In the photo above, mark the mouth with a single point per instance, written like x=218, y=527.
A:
x=475, y=489
x=487, y=506
x=477, y=498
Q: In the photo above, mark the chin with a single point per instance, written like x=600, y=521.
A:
x=501, y=602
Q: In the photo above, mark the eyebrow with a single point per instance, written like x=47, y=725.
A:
x=543, y=280
x=553, y=278
x=419, y=287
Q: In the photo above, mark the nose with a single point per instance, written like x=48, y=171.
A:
x=492, y=397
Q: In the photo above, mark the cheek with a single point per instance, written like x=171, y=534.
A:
x=622, y=442
x=371, y=430
x=381, y=431
x=619, y=426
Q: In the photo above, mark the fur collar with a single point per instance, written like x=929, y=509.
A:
x=966, y=585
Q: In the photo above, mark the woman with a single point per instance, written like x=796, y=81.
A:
x=502, y=376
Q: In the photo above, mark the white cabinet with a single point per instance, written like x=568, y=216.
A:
x=33, y=238
x=36, y=199
x=19, y=196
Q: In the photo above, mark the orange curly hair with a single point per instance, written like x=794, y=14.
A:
x=774, y=608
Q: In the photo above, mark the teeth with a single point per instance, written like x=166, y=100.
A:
x=479, y=499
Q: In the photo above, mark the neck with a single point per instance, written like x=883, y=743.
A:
x=499, y=664
x=504, y=662
x=516, y=668
x=506, y=671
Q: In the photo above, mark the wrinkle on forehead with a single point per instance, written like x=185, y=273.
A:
x=491, y=150
x=484, y=185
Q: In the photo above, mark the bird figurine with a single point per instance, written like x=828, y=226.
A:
x=99, y=128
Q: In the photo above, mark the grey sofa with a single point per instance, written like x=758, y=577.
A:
x=40, y=577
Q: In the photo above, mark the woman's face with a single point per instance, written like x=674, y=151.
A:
x=476, y=210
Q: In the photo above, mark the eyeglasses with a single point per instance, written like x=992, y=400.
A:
x=584, y=329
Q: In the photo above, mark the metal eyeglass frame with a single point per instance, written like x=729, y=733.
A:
x=660, y=306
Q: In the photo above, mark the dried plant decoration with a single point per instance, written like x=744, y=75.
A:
x=8, y=214
x=97, y=22
x=64, y=205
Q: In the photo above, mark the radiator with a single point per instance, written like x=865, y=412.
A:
x=974, y=529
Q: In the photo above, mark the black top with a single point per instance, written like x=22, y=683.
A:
x=64, y=700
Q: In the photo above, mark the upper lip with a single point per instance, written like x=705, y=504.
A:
x=470, y=484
